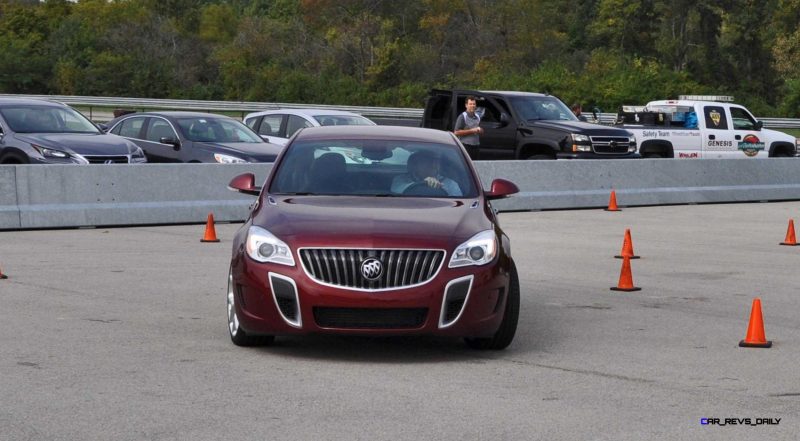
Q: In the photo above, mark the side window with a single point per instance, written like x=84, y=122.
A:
x=159, y=129
x=130, y=128
x=488, y=111
x=251, y=122
x=295, y=123
x=715, y=118
x=270, y=125
x=742, y=119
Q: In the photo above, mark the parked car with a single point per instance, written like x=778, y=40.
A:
x=277, y=126
x=399, y=240
x=524, y=125
x=36, y=131
x=193, y=137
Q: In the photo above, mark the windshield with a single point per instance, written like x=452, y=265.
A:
x=46, y=119
x=374, y=168
x=204, y=129
x=343, y=120
x=535, y=108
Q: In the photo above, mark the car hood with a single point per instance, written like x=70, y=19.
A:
x=579, y=127
x=372, y=222
x=81, y=143
x=249, y=151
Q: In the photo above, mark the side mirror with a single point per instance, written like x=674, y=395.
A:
x=501, y=188
x=504, y=119
x=758, y=125
x=596, y=114
x=245, y=183
x=103, y=127
x=171, y=141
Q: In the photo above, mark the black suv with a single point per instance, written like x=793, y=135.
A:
x=524, y=125
x=45, y=132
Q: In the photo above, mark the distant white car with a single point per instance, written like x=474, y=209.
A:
x=277, y=126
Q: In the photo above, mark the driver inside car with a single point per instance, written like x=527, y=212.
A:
x=423, y=173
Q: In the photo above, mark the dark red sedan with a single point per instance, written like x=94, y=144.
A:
x=373, y=230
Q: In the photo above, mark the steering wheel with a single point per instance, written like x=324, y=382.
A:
x=422, y=189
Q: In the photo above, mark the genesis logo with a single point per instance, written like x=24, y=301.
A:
x=371, y=268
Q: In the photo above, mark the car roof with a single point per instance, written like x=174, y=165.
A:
x=376, y=132
x=490, y=92
x=304, y=112
x=30, y=101
x=177, y=114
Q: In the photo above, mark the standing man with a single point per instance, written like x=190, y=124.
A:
x=577, y=109
x=467, y=128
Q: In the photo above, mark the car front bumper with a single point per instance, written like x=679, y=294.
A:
x=420, y=310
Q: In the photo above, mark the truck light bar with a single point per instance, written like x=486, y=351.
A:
x=719, y=98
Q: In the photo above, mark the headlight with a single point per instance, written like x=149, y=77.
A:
x=632, y=143
x=797, y=145
x=480, y=249
x=50, y=153
x=227, y=159
x=263, y=247
x=138, y=155
x=580, y=138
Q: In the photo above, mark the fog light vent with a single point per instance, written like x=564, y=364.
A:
x=455, y=298
x=284, y=292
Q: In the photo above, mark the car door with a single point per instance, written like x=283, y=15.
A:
x=499, y=138
x=437, y=110
x=295, y=123
x=172, y=150
x=718, y=139
x=747, y=139
x=272, y=129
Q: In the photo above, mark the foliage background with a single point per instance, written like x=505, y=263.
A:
x=390, y=53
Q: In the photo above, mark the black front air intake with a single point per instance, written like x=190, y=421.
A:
x=370, y=318
x=454, y=299
x=286, y=298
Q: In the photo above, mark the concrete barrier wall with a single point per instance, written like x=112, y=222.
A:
x=35, y=196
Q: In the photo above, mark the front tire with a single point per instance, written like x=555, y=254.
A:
x=238, y=335
x=508, y=327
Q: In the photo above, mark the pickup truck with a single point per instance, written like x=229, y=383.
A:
x=702, y=129
x=523, y=125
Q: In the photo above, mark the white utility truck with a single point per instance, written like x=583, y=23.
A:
x=697, y=127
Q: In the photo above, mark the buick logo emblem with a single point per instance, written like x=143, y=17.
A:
x=371, y=268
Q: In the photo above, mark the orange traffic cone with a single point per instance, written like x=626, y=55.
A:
x=790, y=239
x=627, y=246
x=2, y=276
x=755, y=330
x=210, y=234
x=612, y=202
x=625, y=277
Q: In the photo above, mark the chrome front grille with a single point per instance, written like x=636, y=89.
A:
x=343, y=267
x=106, y=159
x=610, y=144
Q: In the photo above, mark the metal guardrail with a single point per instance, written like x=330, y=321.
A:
x=100, y=108
x=243, y=107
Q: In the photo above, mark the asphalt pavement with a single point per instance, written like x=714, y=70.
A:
x=120, y=334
